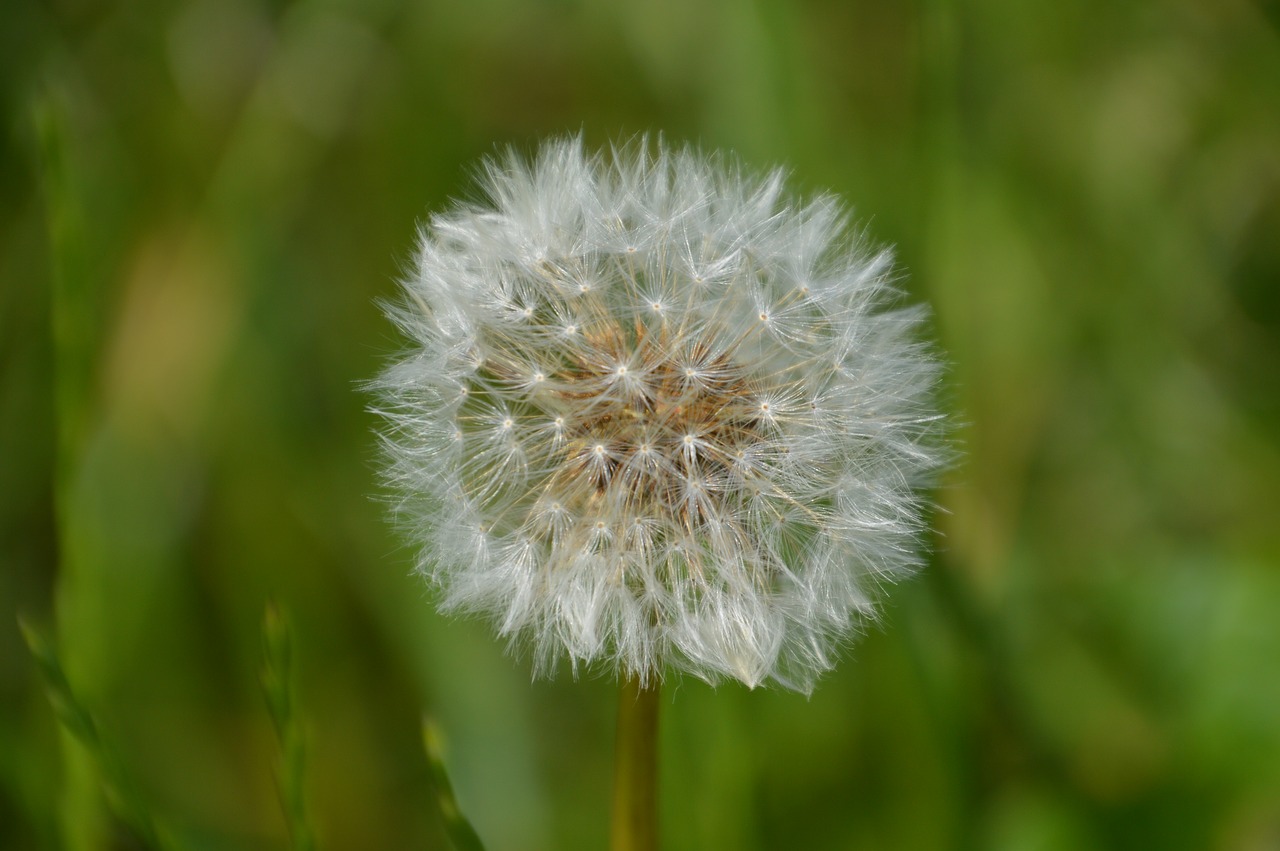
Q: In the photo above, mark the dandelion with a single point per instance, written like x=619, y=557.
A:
x=659, y=415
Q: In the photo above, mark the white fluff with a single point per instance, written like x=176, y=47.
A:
x=658, y=414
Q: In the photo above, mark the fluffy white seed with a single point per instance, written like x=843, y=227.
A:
x=658, y=415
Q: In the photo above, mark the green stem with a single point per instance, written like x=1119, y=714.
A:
x=635, y=772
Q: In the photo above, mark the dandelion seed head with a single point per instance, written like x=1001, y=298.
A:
x=658, y=415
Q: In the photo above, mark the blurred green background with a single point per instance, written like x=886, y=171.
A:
x=200, y=202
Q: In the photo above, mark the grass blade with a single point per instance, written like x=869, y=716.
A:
x=123, y=795
x=461, y=833
x=278, y=687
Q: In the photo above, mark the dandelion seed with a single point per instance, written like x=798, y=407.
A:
x=719, y=468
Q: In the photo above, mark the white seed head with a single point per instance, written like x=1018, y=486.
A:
x=659, y=415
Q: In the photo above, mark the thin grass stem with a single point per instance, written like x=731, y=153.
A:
x=278, y=687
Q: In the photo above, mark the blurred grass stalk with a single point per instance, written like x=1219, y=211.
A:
x=635, y=778
x=73, y=318
x=121, y=792
x=278, y=687
x=460, y=831
x=72, y=303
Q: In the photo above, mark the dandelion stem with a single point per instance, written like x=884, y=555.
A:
x=635, y=784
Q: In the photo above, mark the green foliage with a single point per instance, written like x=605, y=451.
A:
x=278, y=687
x=461, y=833
x=126, y=800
